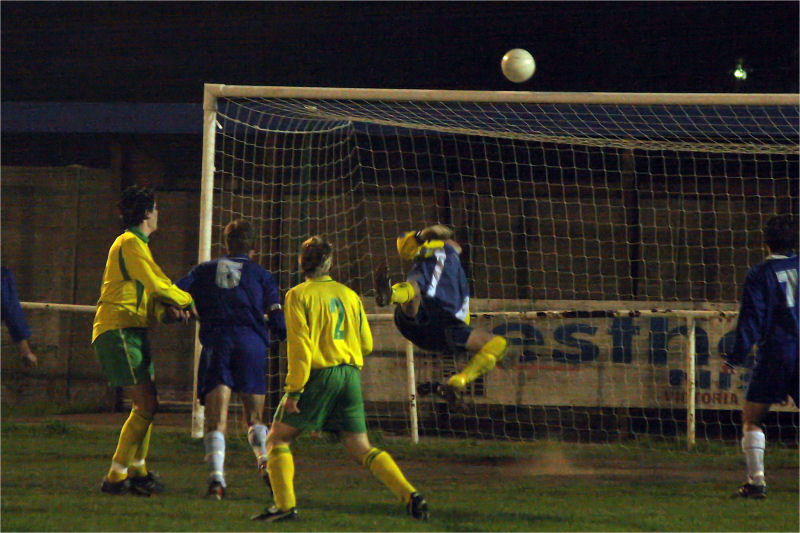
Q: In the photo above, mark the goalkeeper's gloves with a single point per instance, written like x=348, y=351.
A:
x=413, y=245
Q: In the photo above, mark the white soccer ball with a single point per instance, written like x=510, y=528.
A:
x=518, y=65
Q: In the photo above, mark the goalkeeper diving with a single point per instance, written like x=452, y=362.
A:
x=432, y=306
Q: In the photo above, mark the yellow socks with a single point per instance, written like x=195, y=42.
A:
x=386, y=470
x=481, y=362
x=402, y=292
x=280, y=466
x=132, y=436
x=138, y=467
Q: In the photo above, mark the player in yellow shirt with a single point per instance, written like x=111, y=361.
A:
x=134, y=295
x=327, y=338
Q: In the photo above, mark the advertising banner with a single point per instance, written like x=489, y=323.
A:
x=636, y=362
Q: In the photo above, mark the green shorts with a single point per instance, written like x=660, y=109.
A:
x=124, y=356
x=331, y=401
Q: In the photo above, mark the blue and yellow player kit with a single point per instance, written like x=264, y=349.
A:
x=232, y=294
x=442, y=322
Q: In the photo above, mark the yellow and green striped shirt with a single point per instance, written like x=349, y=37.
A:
x=326, y=326
x=132, y=285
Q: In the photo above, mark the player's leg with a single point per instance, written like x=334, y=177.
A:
x=253, y=405
x=124, y=356
x=248, y=372
x=280, y=467
x=145, y=398
x=137, y=427
x=769, y=383
x=487, y=349
x=216, y=414
x=753, y=445
x=383, y=467
x=312, y=407
x=348, y=418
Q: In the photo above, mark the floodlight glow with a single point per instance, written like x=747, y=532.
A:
x=740, y=73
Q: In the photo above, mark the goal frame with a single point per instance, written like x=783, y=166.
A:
x=213, y=92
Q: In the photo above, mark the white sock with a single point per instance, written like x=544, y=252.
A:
x=119, y=468
x=753, y=444
x=257, y=437
x=214, y=442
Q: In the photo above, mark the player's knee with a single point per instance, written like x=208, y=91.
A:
x=748, y=426
x=252, y=417
x=149, y=406
x=219, y=425
x=280, y=435
x=357, y=445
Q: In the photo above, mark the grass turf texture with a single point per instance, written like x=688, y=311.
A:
x=51, y=473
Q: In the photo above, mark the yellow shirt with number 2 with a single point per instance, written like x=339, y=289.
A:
x=326, y=326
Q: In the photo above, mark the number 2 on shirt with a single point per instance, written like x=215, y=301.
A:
x=336, y=305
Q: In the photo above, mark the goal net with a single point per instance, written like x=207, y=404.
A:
x=607, y=236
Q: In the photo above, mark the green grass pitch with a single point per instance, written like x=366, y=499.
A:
x=51, y=473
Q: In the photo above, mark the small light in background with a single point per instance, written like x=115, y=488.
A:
x=740, y=72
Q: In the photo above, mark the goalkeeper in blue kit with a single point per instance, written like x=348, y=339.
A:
x=232, y=295
x=768, y=317
x=433, y=306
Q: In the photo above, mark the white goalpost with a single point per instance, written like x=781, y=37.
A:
x=606, y=235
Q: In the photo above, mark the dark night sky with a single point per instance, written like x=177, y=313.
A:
x=164, y=52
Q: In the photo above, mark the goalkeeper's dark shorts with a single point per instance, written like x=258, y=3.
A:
x=433, y=329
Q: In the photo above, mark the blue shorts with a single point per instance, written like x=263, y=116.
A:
x=773, y=379
x=433, y=329
x=237, y=357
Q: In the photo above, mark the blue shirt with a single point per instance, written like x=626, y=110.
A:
x=768, y=312
x=12, y=313
x=439, y=274
x=233, y=292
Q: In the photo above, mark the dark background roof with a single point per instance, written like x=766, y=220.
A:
x=164, y=52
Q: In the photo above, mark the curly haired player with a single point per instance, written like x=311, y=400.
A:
x=134, y=295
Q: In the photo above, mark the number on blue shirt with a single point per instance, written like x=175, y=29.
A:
x=788, y=280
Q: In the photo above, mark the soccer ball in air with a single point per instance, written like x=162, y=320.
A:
x=518, y=65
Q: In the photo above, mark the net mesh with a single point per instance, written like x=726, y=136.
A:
x=557, y=206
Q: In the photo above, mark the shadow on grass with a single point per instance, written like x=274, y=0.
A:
x=475, y=518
